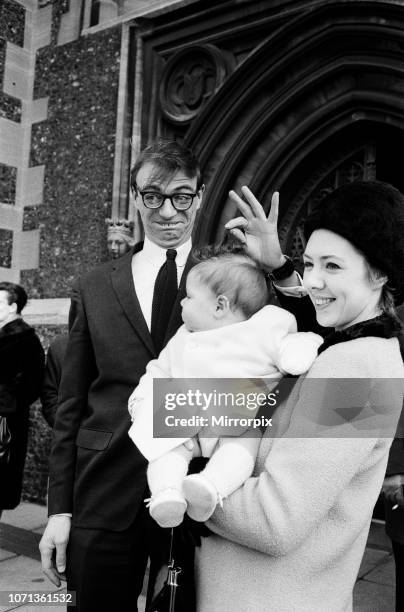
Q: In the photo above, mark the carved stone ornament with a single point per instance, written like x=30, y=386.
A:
x=189, y=79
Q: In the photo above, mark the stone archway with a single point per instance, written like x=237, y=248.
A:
x=315, y=92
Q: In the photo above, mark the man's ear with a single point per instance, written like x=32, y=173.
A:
x=222, y=306
x=13, y=308
x=200, y=192
x=133, y=197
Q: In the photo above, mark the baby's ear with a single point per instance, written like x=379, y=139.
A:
x=222, y=305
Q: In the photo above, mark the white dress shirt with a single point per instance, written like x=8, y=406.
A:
x=145, y=267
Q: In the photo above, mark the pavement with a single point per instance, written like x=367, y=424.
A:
x=20, y=569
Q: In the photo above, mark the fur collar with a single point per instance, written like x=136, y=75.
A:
x=18, y=326
x=383, y=326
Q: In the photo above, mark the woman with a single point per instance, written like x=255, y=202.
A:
x=21, y=371
x=292, y=538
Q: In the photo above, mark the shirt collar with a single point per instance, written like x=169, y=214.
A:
x=157, y=254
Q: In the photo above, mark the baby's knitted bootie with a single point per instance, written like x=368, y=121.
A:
x=167, y=507
x=201, y=496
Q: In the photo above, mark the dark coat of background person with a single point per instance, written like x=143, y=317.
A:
x=395, y=518
x=52, y=377
x=21, y=371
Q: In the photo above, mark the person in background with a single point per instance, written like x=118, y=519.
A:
x=21, y=372
x=53, y=374
x=120, y=237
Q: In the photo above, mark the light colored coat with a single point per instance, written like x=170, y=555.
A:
x=266, y=345
x=291, y=539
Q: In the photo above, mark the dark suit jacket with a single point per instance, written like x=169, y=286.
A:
x=95, y=470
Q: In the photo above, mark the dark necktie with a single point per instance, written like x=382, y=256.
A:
x=165, y=293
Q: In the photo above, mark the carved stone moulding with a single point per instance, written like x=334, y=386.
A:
x=189, y=79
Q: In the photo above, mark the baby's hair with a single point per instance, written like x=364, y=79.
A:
x=226, y=270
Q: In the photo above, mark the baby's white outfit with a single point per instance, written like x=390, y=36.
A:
x=267, y=345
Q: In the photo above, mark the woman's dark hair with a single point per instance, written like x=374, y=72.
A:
x=16, y=295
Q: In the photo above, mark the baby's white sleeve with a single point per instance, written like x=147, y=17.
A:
x=297, y=352
x=156, y=368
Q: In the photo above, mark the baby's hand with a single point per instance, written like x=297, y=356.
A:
x=189, y=445
x=298, y=352
x=132, y=405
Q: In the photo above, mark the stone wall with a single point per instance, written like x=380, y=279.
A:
x=76, y=146
x=58, y=110
x=12, y=24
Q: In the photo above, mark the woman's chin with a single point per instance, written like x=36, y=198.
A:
x=324, y=320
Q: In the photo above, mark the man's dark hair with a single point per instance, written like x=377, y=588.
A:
x=170, y=157
x=16, y=295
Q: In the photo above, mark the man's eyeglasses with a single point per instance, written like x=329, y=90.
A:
x=153, y=199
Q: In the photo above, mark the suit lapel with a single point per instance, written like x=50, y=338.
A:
x=122, y=282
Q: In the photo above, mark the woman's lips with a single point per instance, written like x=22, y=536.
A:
x=322, y=302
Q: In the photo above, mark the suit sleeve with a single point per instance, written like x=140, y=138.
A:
x=79, y=370
x=50, y=388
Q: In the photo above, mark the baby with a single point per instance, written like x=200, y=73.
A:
x=228, y=332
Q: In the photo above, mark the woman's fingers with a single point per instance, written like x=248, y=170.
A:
x=274, y=212
x=251, y=207
x=253, y=202
x=236, y=223
x=243, y=207
x=239, y=235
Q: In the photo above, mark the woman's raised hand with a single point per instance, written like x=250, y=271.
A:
x=258, y=233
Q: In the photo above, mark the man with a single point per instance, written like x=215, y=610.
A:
x=21, y=371
x=97, y=476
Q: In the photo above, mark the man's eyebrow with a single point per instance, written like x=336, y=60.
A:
x=155, y=186
x=180, y=187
